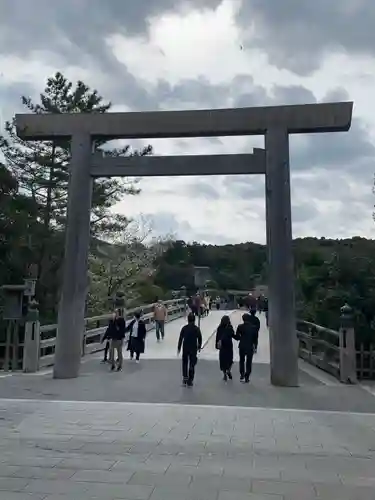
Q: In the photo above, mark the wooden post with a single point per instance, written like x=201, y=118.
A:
x=71, y=318
x=283, y=335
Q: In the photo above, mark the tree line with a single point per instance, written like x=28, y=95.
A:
x=328, y=273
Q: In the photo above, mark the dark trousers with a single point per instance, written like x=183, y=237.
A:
x=106, y=350
x=159, y=327
x=137, y=354
x=135, y=346
x=246, y=363
x=189, y=360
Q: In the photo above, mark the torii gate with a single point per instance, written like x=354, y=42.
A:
x=275, y=123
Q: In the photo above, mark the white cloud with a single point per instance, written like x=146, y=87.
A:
x=204, y=46
x=186, y=44
x=36, y=69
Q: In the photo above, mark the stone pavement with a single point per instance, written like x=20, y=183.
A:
x=80, y=450
x=139, y=435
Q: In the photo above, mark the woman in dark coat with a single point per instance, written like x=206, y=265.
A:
x=137, y=336
x=224, y=343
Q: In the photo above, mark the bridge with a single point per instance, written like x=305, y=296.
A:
x=138, y=434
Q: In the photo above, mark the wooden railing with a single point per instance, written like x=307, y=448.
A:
x=365, y=361
x=95, y=328
x=12, y=346
x=320, y=347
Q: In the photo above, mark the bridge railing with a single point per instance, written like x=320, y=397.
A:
x=95, y=328
x=330, y=350
x=319, y=346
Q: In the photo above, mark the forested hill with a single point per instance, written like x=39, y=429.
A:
x=328, y=274
x=231, y=266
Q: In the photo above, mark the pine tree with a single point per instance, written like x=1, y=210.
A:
x=41, y=170
x=18, y=219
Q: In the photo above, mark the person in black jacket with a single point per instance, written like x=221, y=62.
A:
x=224, y=343
x=115, y=335
x=265, y=309
x=247, y=334
x=107, y=336
x=137, y=336
x=190, y=341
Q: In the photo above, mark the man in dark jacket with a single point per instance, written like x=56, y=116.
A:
x=265, y=309
x=191, y=342
x=115, y=333
x=247, y=334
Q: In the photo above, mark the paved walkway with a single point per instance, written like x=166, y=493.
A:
x=139, y=435
x=80, y=451
x=167, y=348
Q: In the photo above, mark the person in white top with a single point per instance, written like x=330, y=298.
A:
x=136, y=343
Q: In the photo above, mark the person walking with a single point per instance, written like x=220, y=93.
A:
x=208, y=304
x=203, y=307
x=107, y=336
x=224, y=343
x=190, y=303
x=265, y=309
x=160, y=317
x=137, y=336
x=190, y=341
x=255, y=322
x=197, y=304
x=218, y=302
x=247, y=335
x=114, y=336
x=251, y=302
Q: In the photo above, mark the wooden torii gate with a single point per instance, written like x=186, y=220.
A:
x=275, y=123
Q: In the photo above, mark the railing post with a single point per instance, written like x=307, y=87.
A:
x=31, y=348
x=348, y=362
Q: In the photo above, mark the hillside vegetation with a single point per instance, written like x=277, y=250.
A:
x=328, y=273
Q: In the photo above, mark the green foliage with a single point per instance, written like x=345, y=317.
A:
x=231, y=266
x=18, y=218
x=328, y=274
x=41, y=168
x=34, y=185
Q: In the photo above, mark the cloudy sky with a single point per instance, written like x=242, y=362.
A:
x=176, y=54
